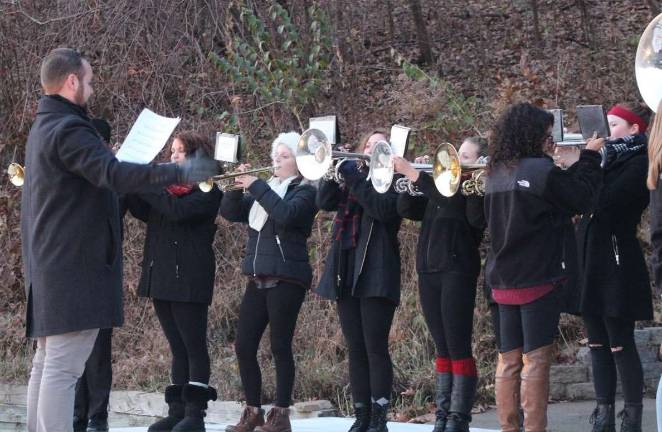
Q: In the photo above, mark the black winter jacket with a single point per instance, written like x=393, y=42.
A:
x=70, y=225
x=615, y=280
x=451, y=231
x=279, y=250
x=377, y=254
x=528, y=208
x=178, y=259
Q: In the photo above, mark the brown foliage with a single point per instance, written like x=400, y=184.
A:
x=149, y=53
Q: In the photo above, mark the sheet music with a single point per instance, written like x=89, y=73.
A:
x=327, y=125
x=147, y=137
x=399, y=137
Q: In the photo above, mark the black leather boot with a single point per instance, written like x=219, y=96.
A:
x=173, y=397
x=603, y=418
x=443, y=400
x=462, y=400
x=378, y=417
x=631, y=416
x=362, y=414
x=195, y=399
x=97, y=424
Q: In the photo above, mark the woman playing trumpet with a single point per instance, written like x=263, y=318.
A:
x=178, y=275
x=362, y=274
x=448, y=264
x=279, y=215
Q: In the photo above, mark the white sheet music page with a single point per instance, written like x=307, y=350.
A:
x=147, y=137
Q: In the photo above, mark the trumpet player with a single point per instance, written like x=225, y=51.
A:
x=528, y=205
x=178, y=276
x=448, y=264
x=362, y=274
x=615, y=288
x=279, y=214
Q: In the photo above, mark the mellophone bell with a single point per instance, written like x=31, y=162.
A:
x=315, y=159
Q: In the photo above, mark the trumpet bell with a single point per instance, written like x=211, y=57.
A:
x=381, y=166
x=648, y=63
x=16, y=174
x=206, y=186
x=313, y=154
x=446, y=170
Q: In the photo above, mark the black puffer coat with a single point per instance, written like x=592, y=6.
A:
x=178, y=259
x=279, y=250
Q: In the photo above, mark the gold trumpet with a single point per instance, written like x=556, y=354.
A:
x=449, y=174
x=218, y=180
x=16, y=174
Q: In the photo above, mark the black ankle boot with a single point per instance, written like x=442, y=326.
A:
x=378, y=418
x=462, y=400
x=631, y=416
x=362, y=414
x=173, y=397
x=195, y=398
x=603, y=418
x=97, y=424
x=443, y=400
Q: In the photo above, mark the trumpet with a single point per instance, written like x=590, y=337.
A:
x=315, y=158
x=450, y=176
x=218, y=180
x=16, y=174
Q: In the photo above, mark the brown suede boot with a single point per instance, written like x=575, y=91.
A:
x=535, y=388
x=278, y=420
x=251, y=417
x=506, y=387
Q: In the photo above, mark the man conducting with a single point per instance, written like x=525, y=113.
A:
x=71, y=235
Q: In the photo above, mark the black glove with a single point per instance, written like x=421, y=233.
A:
x=350, y=172
x=197, y=168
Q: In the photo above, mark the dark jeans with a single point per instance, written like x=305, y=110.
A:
x=448, y=301
x=279, y=308
x=93, y=387
x=366, y=323
x=185, y=327
x=530, y=326
x=605, y=333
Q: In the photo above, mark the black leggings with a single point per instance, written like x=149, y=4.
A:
x=185, y=327
x=605, y=333
x=278, y=307
x=530, y=326
x=366, y=323
x=448, y=300
x=93, y=387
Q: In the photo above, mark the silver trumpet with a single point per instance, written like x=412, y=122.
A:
x=315, y=159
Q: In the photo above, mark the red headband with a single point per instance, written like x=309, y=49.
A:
x=628, y=116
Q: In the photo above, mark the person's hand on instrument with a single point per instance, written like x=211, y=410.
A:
x=244, y=181
x=349, y=170
x=594, y=143
x=402, y=166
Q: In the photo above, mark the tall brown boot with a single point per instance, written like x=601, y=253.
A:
x=278, y=420
x=506, y=386
x=535, y=388
x=251, y=417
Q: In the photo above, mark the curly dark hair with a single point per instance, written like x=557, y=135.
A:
x=520, y=132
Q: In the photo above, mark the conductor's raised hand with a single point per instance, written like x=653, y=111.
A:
x=197, y=168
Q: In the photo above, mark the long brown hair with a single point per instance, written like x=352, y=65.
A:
x=655, y=150
x=366, y=136
x=194, y=141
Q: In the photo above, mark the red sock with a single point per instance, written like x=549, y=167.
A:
x=443, y=364
x=465, y=366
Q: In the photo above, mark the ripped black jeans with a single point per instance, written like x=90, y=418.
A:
x=605, y=334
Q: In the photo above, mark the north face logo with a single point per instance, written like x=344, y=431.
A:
x=524, y=183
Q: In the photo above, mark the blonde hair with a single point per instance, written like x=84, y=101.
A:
x=655, y=150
